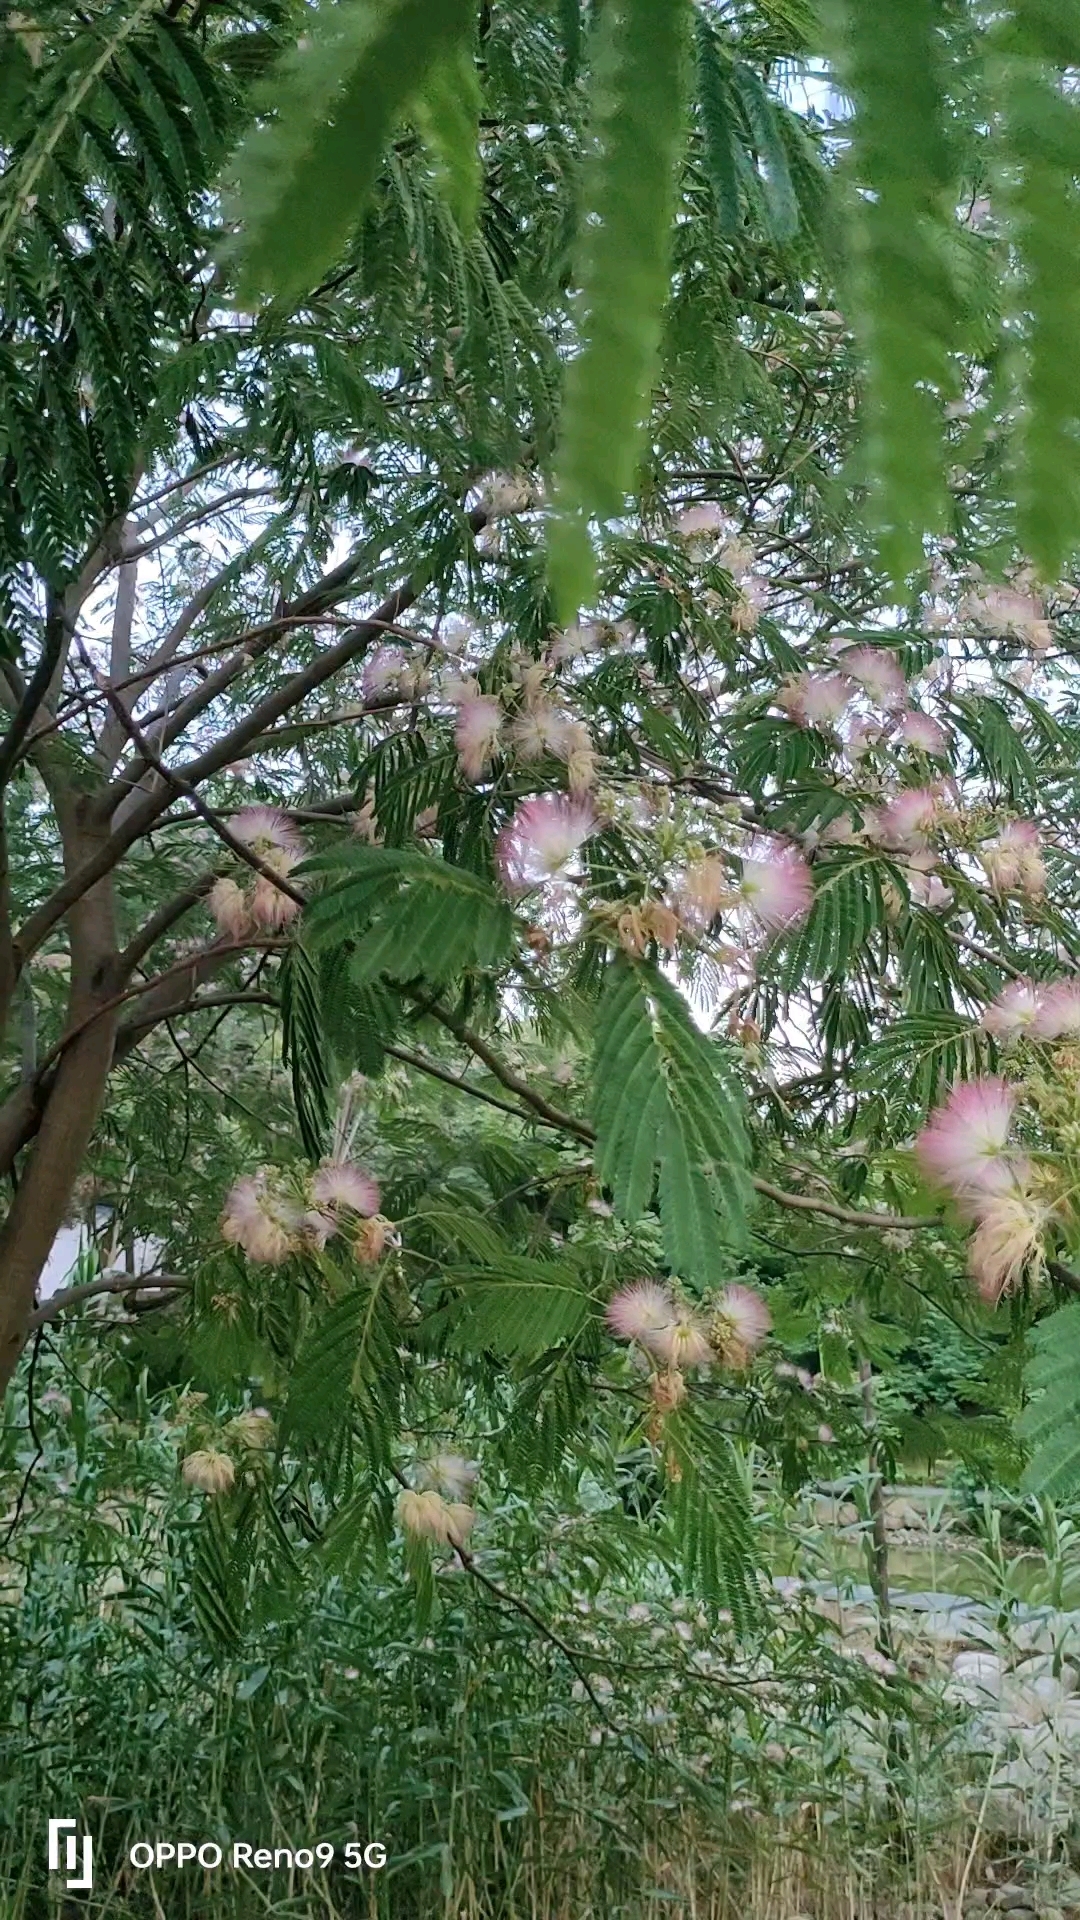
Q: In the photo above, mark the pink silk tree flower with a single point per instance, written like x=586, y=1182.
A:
x=261, y=1221
x=1058, y=1015
x=542, y=839
x=641, y=1312
x=739, y=1326
x=1006, y=1243
x=878, y=673
x=924, y=733
x=1013, y=863
x=1016, y=1010
x=269, y=832
x=341, y=1183
x=229, y=905
x=815, y=699
x=476, y=734
x=776, y=885
x=906, y=819
x=685, y=1343
x=701, y=891
x=964, y=1146
x=382, y=672
x=271, y=908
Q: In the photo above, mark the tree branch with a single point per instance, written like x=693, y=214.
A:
x=61, y=1303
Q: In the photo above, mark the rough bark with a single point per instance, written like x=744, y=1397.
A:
x=72, y=1103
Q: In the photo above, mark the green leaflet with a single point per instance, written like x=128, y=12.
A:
x=623, y=275
x=715, y=107
x=418, y=915
x=847, y=908
x=664, y=1092
x=711, y=1517
x=1042, y=136
x=303, y=176
x=521, y=1311
x=303, y=1047
x=447, y=112
x=1051, y=1421
x=894, y=64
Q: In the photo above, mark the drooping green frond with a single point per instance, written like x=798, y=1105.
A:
x=847, y=909
x=710, y=1516
x=1050, y=1424
x=305, y=173
x=412, y=915
x=923, y=1053
x=1041, y=135
x=663, y=1092
x=303, y=1046
x=894, y=62
x=447, y=111
x=629, y=202
x=521, y=1311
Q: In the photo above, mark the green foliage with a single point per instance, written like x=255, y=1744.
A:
x=305, y=174
x=893, y=63
x=1050, y=1424
x=711, y=1519
x=663, y=1092
x=410, y=915
x=629, y=199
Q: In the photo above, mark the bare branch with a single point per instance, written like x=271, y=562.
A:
x=58, y=1304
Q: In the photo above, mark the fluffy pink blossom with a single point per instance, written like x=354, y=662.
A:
x=229, y=906
x=476, y=734
x=929, y=890
x=739, y=1326
x=1016, y=1010
x=701, y=891
x=749, y=604
x=878, y=673
x=641, y=1312
x=538, y=729
x=270, y=907
x=1006, y=610
x=815, y=699
x=706, y=519
x=1013, y=863
x=1007, y=1241
x=964, y=1146
x=684, y=1343
x=921, y=731
x=341, y=1183
x=382, y=672
x=541, y=839
x=450, y=1474
x=261, y=1220
x=906, y=819
x=268, y=832
x=1058, y=1015
x=777, y=885
x=861, y=735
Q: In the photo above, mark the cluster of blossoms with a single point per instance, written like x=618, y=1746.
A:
x=439, y=1510
x=270, y=1217
x=966, y=1149
x=1016, y=612
x=677, y=1337
x=776, y=887
x=261, y=907
x=538, y=728
x=1013, y=863
x=704, y=527
x=1044, y=1010
x=213, y=1471
x=822, y=700
x=539, y=843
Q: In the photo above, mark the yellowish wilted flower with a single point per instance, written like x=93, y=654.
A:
x=209, y=1471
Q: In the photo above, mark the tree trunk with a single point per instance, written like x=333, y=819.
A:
x=43, y=1195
